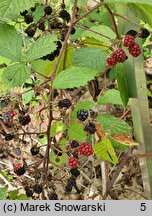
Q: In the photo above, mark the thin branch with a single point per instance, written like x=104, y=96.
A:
x=88, y=12
x=102, y=35
x=127, y=19
x=127, y=111
x=112, y=19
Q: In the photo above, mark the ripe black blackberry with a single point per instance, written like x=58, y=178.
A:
x=82, y=114
x=64, y=103
x=90, y=128
x=132, y=33
x=74, y=144
x=51, y=57
x=44, y=58
x=64, y=15
x=72, y=181
x=24, y=120
x=37, y=188
x=53, y=196
x=59, y=45
x=41, y=26
x=75, y=172
x=30, y=31
x=73, y=31
x=9, y=137
x=144, y=33
x=28, y=18
x=19, y=170
x=33, y=8
x=34, y=150
x=29, y=192
x=48, y=10
x=23, y=13
x=56, y=52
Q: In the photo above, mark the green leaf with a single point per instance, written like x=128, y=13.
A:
x=123, y=87
x=105, y=151
x=87, y=104
x=6, y=175
x=57, y=127
x=22, y=197
x=143, y=12
x=16, y=74
x=27, y=97
x=41, y=47
x=73, y=77
x=9, y=7
x=118, y=146
x=102, y=29
x=111, y=96
x=13, y=194
x=10, y=43
x=92, y=58
x=107, y=121
x=3, y=192
x=39, y=13
x=76, y=132
x=43, y=140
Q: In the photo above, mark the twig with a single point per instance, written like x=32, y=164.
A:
x=88, y=12
x=127, y=111
x=125, y=18
x=113, y=23
x=95, y=32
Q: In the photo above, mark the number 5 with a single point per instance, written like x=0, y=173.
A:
x=143, y=206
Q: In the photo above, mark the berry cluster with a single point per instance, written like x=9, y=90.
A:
x=19, y=169
x=51, y=20
x=65, y=103
x=54, y=54
x=129, y=42
x=82, y=114
x=9, y=115
x=24, y=120
x=133, y=47
x=71, y=183
x=73, y=162
x=90, y=128
x=34, y=150
x=86, y=149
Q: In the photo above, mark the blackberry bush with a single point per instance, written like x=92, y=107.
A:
x=67, y=74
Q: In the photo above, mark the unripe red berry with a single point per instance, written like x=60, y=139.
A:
x=73, y=162
x=86, y=149
x=111, y=62
x=19, y=169
x=119, y=55
x=134, y=50
x=128, y=40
